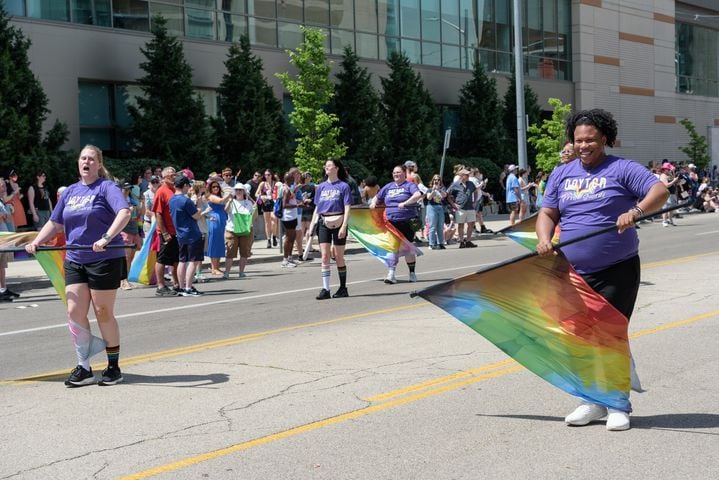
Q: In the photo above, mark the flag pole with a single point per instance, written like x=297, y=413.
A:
x=65, y=247
x=556, y=247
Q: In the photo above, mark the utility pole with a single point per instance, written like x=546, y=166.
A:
x=519, y=75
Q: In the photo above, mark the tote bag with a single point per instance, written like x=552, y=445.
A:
x=241, y=222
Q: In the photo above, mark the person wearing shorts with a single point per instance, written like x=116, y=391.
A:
x=169, y=253
x=333, y=200
x=462, y=195
x=188, y=236
x=241, y=242
x=92, y=275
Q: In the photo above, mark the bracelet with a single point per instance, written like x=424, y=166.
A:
x=638, y=209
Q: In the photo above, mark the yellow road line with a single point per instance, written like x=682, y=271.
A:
x=188, y=462
x=174, y=352
x=678, y=323
x=674, y=261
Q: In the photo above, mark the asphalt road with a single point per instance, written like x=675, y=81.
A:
x=258, y=380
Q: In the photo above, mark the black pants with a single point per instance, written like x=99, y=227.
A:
x=618, y=284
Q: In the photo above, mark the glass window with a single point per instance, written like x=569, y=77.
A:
x=290, y=10
x=100, y=137
x=317, y=12
x=366, y=16
x=94, y=104
x=450, y=22
x=82, y=12
x=290, y=35
x=125, y=95
x=413, y=50
x=388, y=17
x=172, y=14
x=488, y=59
x=48, y=10
x=367, y=45
x=410, y=20
x=387, y=45
x=261, y=8
x=340, y=39
x=341, y=14
x=432, y=54
x=201, y=3
x=232, y=6
x=487, y=27
x=534, y=44
x=200, y=23
x=450, y=56
x=263, y=32
x=130, y=14
x=103, y=14
x=467, y=23
x=564, y=28
x=430, y=20
x=15, y=7
x=209, y=101
x=231, y=27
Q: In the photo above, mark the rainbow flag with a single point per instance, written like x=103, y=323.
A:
x=142, y=269
x=541, y=313
x=524, y=233
x=50, y=261
x=372, y=230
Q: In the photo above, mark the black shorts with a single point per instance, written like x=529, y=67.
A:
x=192, y=252
x=100, y=275
x=169, y=253
x=330, y=235
x=289, y=224
x=268, y=206
x=405, y=228
x=618, y=284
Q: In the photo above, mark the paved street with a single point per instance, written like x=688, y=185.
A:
x=258, y=380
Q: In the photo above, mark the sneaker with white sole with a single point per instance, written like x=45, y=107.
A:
x=287, y=264
x=391, y=279
x=617, y=420
x=585, y=414
x=79, y=377
x=110, y=376
x=413, y=277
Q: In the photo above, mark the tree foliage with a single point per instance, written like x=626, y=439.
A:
x=480, y=131
x=412, y=118
x=169, y=119
x=697, y=150
x=23, y=110
x=531, y=110
x=548, y=137
x=311, y=90
x=357, y=105
x=250, y=129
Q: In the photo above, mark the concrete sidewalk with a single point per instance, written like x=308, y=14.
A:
x=27, y=274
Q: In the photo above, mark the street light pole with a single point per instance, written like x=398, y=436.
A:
x=519, y=76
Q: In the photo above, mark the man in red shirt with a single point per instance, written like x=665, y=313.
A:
x=169, y=253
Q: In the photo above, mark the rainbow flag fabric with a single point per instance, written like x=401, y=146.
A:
x=369, y=226
x=142, y=269
x=524, y=233
x=541, y=313
x=50, y=261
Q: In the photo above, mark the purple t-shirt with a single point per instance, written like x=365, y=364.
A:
x=332, y=197
x=592, y=200
x=393, y=194
x=86, y=212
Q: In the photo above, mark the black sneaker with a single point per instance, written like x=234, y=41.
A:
x=442, y=247
x=165, y=292
x=6, y=296
x=110, y=376
x=485, y=230
x=269, y=243
x=462, y=244
x=341, y=293
x=177, y=290
x=14, y=295
x=191, y=292
x=274, y=241
x=324, y=295
x=469, y=244
x=79, y=377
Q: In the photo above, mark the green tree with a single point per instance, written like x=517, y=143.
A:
x=697, y=150
x=412, y=118
x=509, y=115
x=169, y=120
x=250, y=129
x=357, y=105
x=311, y=90
x=23, y=110
x=549, y=137
x=480, y=131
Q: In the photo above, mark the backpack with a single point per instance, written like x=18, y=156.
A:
x=278, y=208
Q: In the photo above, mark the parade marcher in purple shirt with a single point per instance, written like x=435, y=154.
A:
x=401, y=198
x=586, y=194
x=92, y=212
x=333, y=200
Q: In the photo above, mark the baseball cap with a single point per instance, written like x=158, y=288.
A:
x=464, y=171
x=667, y=166
x=240, y=186
x=691, y=166
x=512, y=168
x=410, y=164
x=181, y=181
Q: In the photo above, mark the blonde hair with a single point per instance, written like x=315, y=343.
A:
x=102, y=172
x=197, y=186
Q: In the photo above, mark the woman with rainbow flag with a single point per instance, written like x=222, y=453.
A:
x=92, y=274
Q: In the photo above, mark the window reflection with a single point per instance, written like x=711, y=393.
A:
x=430, y=20
x=130, y=14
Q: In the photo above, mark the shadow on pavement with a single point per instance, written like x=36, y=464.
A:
x=169, y=380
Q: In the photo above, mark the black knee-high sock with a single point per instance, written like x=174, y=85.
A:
x=342, y=272
x=113, y=356
x=411, y=266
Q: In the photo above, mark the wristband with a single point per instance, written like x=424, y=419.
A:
x=637, y=209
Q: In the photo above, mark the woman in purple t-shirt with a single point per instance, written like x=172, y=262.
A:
x=333, y=199
x=593, y=191
x=401, y=198
x=93, y=274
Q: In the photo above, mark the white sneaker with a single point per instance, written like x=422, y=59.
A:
x=391, y=279
x=585, y=413
x=617, y=420
x=413, y=277
x=665, y=224
x=286, y=264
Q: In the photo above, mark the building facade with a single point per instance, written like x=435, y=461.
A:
x=650, y=63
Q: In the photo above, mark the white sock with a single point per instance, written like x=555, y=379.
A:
x=3, y=290
x=326, y=277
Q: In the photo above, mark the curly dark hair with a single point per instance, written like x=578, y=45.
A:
x=599, y=119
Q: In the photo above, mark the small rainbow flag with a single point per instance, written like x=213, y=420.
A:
x=142, y=269
x=50, y=261
x=542, y=313
x=369, y=226
x=524, y=233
